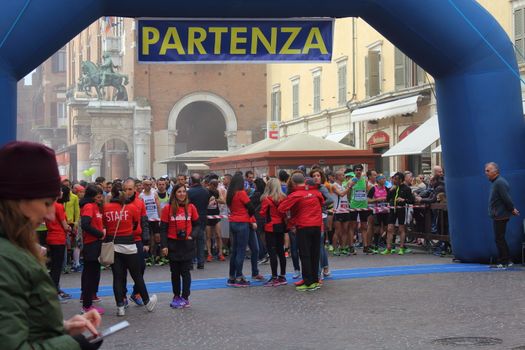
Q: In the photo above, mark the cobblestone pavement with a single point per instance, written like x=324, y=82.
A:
x=396, y=312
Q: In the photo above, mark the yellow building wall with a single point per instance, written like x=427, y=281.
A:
x=280, y=74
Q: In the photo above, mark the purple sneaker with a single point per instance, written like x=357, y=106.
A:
x=185, y=303
x=241, y=283
x=176, y=303
x=281, y=281
x=271, y=282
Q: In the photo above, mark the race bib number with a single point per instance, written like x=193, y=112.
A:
x=360, y=196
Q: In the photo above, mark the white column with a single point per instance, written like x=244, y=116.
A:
x=231, y=137
x=141, y=168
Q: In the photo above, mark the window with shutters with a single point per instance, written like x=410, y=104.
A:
x=316, y=73
x=407, y=72
x=373, y=73
x=519, y=34
x=341, y=83
x=276, y=103
x=295, y=97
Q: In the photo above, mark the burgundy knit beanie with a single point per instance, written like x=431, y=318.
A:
x=28, y=171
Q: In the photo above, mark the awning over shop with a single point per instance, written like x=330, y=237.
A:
x=386, y=110
x=437, y=149
x=425, y=135
x=337, y=136
x=197, y=166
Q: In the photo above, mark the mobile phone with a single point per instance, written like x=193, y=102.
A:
x=109, y=331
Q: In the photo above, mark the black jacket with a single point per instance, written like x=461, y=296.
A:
x=199, y=197
x=401, y=191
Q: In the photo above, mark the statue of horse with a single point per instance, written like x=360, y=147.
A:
x=94, y=77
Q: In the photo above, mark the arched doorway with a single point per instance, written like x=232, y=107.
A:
x=115, y=160
x=200, y=126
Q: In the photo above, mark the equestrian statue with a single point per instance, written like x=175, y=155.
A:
x=102, y=76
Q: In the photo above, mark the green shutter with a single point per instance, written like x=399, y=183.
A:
x=400, y=69
x=519, y=32
x=367, y=72
x=374, y=82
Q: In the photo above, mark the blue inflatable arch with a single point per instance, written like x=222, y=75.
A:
x=457, y=41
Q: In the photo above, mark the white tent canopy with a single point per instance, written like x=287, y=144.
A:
x=337, y=136
x=385, y=110
x=425, y=135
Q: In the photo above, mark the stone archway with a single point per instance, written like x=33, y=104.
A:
x=115, y=150
x=202, y=96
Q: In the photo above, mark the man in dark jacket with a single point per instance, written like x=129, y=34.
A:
x=397, y=197
x=501, y=209
x=199, y=197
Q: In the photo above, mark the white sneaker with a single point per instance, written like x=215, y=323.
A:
x=150, y=306
x=121, y=311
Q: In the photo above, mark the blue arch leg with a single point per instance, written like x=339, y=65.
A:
x=8, y=105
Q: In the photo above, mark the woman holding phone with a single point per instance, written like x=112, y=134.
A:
x=31, y=313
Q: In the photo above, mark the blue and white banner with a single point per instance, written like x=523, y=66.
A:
x=245, y=40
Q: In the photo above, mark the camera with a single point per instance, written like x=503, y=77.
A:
x=181, y=234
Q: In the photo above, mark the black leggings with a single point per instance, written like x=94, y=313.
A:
x=56, y=254
x=124, y=263
x=181, y=269
x=89, y=282
x=275, y=247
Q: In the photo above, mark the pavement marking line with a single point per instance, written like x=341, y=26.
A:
x=354, y=273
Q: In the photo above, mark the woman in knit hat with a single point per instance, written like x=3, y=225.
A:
x=31, y=314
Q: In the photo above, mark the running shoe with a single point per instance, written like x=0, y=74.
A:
x=100, y=310
x=241, y=283
x=121, y=311
x=264, y=260
x=176, y=303
x=386, y=252
x=296, y=274
x=298, y=283
x=271, y=282
x=408, y=250
x=351, y=251
x=330, y=248
x=137, y=299
x=499, y=266
x=327, y=273
x=222, y=258
x=337, y=251
x=185, y=303
x=281, y=281
x=62, y=300
x=209, y=258
x=64, y=295
x=309, y=288
x=230, y=282
x=258, y=278
x=150, y=306
x=401, y=251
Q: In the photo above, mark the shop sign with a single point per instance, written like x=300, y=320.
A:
x=379, y=137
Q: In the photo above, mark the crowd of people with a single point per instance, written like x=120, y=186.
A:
x=305, y=214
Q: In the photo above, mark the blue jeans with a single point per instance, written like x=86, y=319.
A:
x=294, y=251
x=239, y=236
x=253, y=242
x=199, y=235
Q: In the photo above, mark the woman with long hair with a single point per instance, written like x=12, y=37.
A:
x=292, y=234
x=31, y=314
x=241, y=221
x=177, y=220
x=120, y=220
x=213, y=226
x=274, y=228
x=93, y=233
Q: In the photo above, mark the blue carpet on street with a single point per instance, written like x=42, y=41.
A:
x=363, y=272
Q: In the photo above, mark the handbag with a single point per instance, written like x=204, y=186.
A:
x=107, y=251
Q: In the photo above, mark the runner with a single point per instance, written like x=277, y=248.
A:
x=274, y=228
x=177, y=219
x=153, y=209
x=377, y=198
x=93, y=233
x=359, y=208
x=341, y=216
x=119, y=220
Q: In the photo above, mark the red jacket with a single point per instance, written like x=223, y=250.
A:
x=55, y=231
x=270, y=213
x=141, y=209
x=305, y=205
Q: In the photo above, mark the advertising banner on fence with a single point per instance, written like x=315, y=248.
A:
x=216, y=40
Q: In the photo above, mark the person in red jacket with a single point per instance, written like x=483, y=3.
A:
x=120, y=220
x=93, y=232
x=176, y=223
x=56, y=240
x=141, y=235
x=305, y=205
x=274, y=228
